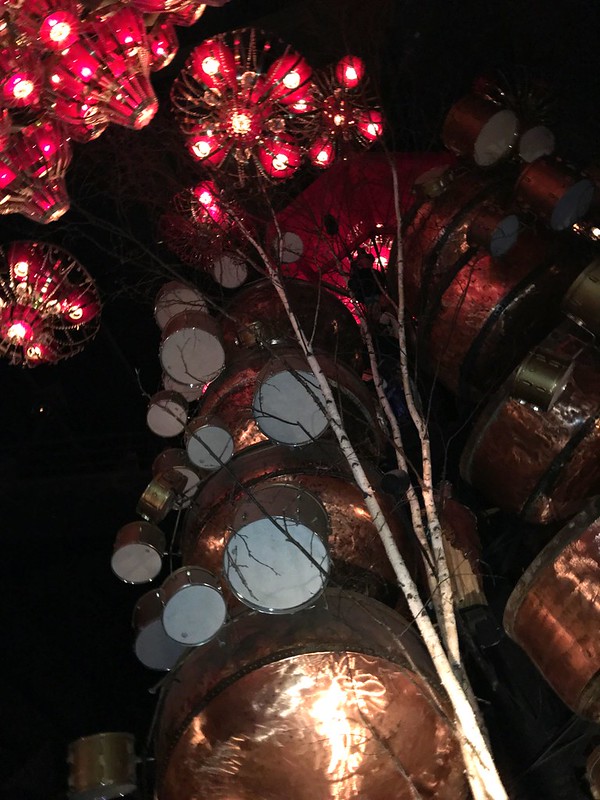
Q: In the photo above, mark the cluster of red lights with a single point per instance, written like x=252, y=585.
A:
x=251, y=106
x=49, y=305
x=66, y=72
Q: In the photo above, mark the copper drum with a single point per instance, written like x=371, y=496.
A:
x=256, y=318
x=194, y=609
x=358, y=557
x=541, y=379
x=592, y=772
x=174, y=298
x=542, y=465
x=228, y=270
x=554, y=612
x=554, y=192
x=276, y=559
x=208, y=442
x=493, y=229
x=491, y=312
x=582, y=301
x=167, y=414
x=318, y=702
x=191, y=350
x=231, y=398
x=536, y=142
x=138, y=552
x=190, y=391
x=160, y=496
x=153, y=648
x=435, y=236
x=477, y=128
x=102, y=766
x=176, y=459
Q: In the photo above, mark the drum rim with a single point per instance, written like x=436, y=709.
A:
x=155, y=552
x=209, y=421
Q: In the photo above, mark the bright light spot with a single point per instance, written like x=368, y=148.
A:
x=323, y=157
x=291, y=80
x=18, y=331
x=300, y=106
x=55, y=78
x=144, y=117
x=59, y=31
x=280, y=162
x=22, y=88
x=205, y=198
x=52, y=306
x=595, y=232
x=159, y=50
x=128, y=39
x=339, y=119
x=201, y=149
x=21, y=269
x=351, y=74
x=86, y=72
x=75, y=313
x=34, y=353
x=240, y=122
x=373, y=129
x=210, y=65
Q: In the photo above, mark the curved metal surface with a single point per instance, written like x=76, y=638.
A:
x=316, y=704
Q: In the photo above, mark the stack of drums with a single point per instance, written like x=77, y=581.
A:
x=318, y=702
x=554, y=612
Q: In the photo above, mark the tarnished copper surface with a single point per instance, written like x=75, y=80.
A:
x=484, y=226
x=465, y=122
x=582, y=301
x=256, y=318
x=358, y=556
x=541, y=464
x=334, y=702
x=543, y=184
x=592, y=772
x=230, y=397
x=102, y=766
x=494, y=311
x=554, y=612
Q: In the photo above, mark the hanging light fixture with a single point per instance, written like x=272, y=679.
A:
x=49, y=305
x=162, y=43
x=54, y=24
x=243, y=103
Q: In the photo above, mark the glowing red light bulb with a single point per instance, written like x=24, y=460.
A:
x=280, y=157
x=213, y=64
x=322, y=152
x=21, y=78
x=59, y=30
x=369, y=124
x=162, y=41
x=349, y=71
x=207, y=147
x=288, y=79
x=18, y=332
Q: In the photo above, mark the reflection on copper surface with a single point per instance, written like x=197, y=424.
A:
x=554, y=613
x=320, y=704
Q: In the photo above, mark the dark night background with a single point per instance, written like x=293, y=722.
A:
x=75, y=451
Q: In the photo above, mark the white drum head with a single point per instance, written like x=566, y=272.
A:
x=268, y=565
x=194, y=614
x=190, y=392
x=288, y=407
x=136, y=563
x=229, y=270
x=155, y=649
x=167, y=415
x=573, y=205
x=174, y=298
x=504, y=236
x=496, y=138
x=292, y=247
x=210, y=446
x=536, y=142
x=192, y=355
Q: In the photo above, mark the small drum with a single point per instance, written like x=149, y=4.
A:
x=276, y=560
x=480, y=129
x=554, y=613
x=536, y=142
x=167, y=414
x=288, y=405
x=557, y=194
x=209, y=444
x=174, y=298
x=289, y=247
x=494, y=229
x=152, y=646
x=102, y=767
x=194, y=608
x=542, y=465
x=582, y=301
x=138, y=552
x=229, y=270
x=191, y=350
x=176, y=459
x=191, y=391
x=160, y=496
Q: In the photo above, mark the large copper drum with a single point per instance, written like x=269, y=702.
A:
x=358, y=558
x=554, y=612
x=539, y=464
x=256, y=318
x=333, y=702
x=231, y=395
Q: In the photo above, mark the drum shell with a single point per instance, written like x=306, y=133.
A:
x=256, y=318
x=541, y=465
x=179, y=415
x=142, y=533
x=211, y=420
x=543, y=184
x=359, y=561
x=554, y=613
x=161, y=494
x=215, y=699
x=492, y=312
x=230, y=397
x=160, y=652
x=184, y=298
x=102, y=766
x=187, y=576
x=465, y=122
x=189, y=320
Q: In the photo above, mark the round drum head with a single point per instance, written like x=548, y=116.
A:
x=210, y=446
x=192, y=354
x=229, y=270
x=292, y=247
x=173, y=299
x=194, y=614
x=136, y=563
x=573, y=205
x=496, y=138
x=276, y=565
x=536, y=142
x=504, y=236
x=167, y=414
x=155, y=649
x=288, y=407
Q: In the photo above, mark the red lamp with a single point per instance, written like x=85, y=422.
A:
x=321, y=153
x=162, y=43
x=213, y=64
x=55, y=24
x=349, y=71
x=288, y=79
x=280, y=157
x=189, y=14
x=21, y=77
